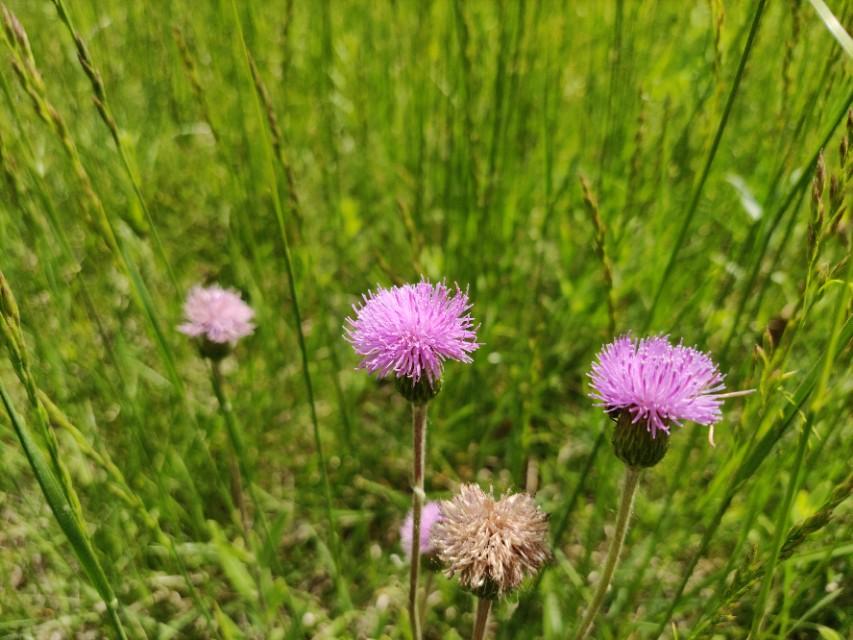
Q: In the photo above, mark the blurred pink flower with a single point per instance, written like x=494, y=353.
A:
x=216, y=314
x=430, y=514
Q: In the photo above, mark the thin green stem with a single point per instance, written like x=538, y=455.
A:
x=419, y=425
x=481, y=620
x=243, y=476
x=626, y=506
x=237, y=451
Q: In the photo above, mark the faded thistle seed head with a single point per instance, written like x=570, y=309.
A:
x=491, y=545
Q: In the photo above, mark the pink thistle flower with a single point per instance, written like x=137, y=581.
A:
x=430, y=514
x=658, y=384
x=217, y=315
x=411, y=330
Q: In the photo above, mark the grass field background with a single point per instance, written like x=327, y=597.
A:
x=585, y=169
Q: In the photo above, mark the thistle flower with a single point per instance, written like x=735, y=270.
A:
x=657, y=383
x=430, y=515
x=411, y=330
x=218, y=317
x=492, y=545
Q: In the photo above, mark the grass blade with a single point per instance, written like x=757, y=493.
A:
x=71, y=527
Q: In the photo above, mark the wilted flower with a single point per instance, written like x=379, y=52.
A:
x=216, y=315
x=656, y=383
x=492, y=545
x=411, y=330
x=430, y=515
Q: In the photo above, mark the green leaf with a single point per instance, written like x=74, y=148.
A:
x=228, y=628
x=828, y=634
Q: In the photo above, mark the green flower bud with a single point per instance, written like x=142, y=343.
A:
x=213, y=350
x=419, y=392
x=635, y=445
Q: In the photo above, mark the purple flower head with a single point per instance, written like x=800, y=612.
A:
x=217, y=315
x=411, y=330
x=657, y=383
x=430, y=514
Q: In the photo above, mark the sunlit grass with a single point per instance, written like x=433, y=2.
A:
x=584, y=168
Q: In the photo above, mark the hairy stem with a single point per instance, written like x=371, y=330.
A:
x=626, y=506
x=481, y=621
x=419, y=420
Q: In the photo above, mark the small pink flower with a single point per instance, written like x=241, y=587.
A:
x=430, y=514
x=217, y=315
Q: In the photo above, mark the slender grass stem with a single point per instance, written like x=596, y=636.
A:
x=297, y=313
x=697, y=193
x=758, y=615
x=481, y=618
x=66, y=517
x=419, y=426
x=626, y=506
x=105, y=112
x=530, y=595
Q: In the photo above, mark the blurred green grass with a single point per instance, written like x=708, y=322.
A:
x=445, y=139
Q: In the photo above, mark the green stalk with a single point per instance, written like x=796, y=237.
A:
x=697, y=193
x=244, y=471
x=419, y=421
x=796, y=190
x=530, y=595
x=237, y=450
x=343, y=592
x=626, y=506
x=65, y=516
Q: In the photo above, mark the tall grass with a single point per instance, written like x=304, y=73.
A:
x=587, y=168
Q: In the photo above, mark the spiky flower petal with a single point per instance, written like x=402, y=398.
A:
x=430, y=515
x=491, y=545
x=411, y=330
x=657, y=383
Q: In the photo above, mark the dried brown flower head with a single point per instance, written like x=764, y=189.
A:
x=492, y=545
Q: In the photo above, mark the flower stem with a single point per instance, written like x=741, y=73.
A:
x=419, y=421
x=238, y=467
x=481, y=622
x=626, y=506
